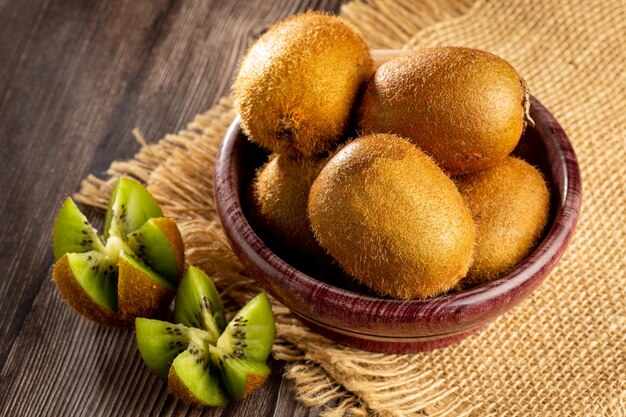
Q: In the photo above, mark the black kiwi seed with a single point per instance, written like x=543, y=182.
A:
x=207, y=305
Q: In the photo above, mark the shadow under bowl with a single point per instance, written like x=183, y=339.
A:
x=352, y=316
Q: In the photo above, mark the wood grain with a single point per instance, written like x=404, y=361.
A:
x=75, y=77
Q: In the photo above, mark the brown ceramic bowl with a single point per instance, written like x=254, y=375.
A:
x=355, y=317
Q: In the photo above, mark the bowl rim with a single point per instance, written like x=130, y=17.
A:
x=465, y=309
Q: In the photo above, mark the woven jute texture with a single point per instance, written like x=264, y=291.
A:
x=562, y=352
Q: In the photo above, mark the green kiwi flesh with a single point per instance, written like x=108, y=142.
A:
x=159, y=342
x=194, y=378
x=104, y=279
x=72, y=232
x=130, y=206
x=96, y=275
x=242, y=376
x=198, y=304
x=159, y=245
x=250, y=334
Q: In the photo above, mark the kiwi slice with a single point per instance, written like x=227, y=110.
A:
x=111, y=279
x=244, y=347
x=194, y=378
x=130, y=206
x=250, y=334
x=95, y=274
x=72, y=232
x=205, y=361
x=198, y=304
x=155, y=242
x=159, y=343
x=241, y=376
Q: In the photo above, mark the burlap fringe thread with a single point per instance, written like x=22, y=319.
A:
x=348, y=382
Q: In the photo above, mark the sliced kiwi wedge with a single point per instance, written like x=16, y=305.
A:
x=130, y=206
x=241, y=376
x=155, y=242
x=250, y=334
x=160, y=342
x=198, y=304
x=73, y=233
x=131, y=271
x=206, y=361
x=195, y=379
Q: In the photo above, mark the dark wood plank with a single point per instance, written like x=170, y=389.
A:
x=75, y=77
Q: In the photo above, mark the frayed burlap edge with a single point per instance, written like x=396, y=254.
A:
x=178, y=171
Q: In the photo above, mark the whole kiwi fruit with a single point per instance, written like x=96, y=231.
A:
x=280, y=192
x=392, y=218
x=510, y=203
x=464, y=107
x=297, y=84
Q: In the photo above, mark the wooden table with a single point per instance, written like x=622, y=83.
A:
x=75, y=77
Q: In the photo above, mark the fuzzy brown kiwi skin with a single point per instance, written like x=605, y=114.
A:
x=391, y=218
x=464, y=107
x=510, y=203
x=279, y=195
x=76, y=297
x=297, y=84
x=139, y=295
x=253, y=382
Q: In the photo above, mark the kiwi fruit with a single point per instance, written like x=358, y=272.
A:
x=194, y=378
x=160, y=342
x=297, y=84
x=132, y=270
x=154, y=241
x=236, y=361
x=199, y=317
x=510, y=203
x=250, y=334
x=198, y=304
x=464, y=107
x=278, y=210
x=204, y=360
x=392, y=218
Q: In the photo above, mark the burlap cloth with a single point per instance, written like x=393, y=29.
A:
x=562, y=352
